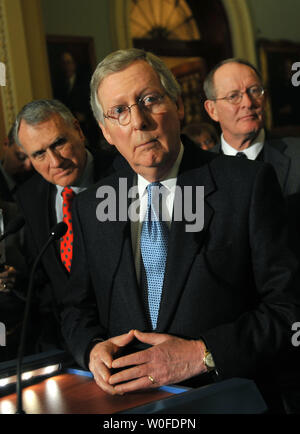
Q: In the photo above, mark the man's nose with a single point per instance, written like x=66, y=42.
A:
x=55, y=158
x=247, y=100
x=139, y=117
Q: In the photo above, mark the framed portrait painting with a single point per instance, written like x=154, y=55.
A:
x=72, y=61
x=278, y=64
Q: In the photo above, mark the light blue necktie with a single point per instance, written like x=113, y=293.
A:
x=154, y=247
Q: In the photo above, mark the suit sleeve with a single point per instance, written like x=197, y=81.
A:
x=254, y=340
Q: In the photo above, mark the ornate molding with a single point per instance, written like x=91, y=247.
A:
x=242, y=30
x=120, y=24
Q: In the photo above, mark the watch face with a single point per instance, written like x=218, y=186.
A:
x=209, y=361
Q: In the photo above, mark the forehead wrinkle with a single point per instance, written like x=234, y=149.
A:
x=234, y=77
x=44, y=134
x=122, y=98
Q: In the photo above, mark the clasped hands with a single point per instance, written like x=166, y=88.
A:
x=169, y=360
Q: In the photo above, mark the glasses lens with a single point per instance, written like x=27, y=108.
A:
x=153, y=103
x=234, y=97
x=124, y=117
x=118, y=114
x=256, y=91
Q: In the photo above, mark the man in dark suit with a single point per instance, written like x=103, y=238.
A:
x=236, y=99
x=53, y=140
x=217, y=302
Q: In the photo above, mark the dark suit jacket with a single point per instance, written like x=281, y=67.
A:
x=34, y=199
x=284, y=155
x=233, y=283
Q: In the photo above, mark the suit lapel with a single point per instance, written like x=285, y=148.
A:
x=119, y=234
x=132, y=294
x=41, y=218
x=183, y=245
x=46, y=222
x=273, y=154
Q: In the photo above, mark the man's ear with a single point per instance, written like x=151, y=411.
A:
x=78, y=128
x=105, y=133
x=210, y=107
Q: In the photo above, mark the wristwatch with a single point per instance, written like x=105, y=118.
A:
x=209, y=361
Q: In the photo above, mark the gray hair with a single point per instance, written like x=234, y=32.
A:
x=41, y=110
x=209, y=85
x=119, y=60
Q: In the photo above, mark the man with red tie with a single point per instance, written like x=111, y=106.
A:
x=56, y=146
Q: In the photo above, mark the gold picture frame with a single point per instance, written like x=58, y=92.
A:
x=276, y=64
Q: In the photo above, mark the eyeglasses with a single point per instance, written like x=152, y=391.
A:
x=235, y=97
x=152, y=103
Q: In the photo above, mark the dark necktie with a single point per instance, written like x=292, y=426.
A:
x=241, y=155
x=154, y=248
x=66, y=242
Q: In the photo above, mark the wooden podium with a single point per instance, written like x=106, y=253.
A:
x=73, y=391
x=74, y=394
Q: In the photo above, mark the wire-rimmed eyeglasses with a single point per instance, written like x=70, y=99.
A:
x=153, y=103
x=235, y=97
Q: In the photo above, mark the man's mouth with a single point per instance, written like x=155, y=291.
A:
x=147, y=142
x=63, y=171
x=250, y=116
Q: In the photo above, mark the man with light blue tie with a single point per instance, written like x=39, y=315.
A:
x=150, y=302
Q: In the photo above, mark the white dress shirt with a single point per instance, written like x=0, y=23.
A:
x=251, y=152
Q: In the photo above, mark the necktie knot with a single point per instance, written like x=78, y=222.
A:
x=241, y=155
x=153, y=210
x=153, y=184
x=67, y=195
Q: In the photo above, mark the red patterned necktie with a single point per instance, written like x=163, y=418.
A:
x=66, y=242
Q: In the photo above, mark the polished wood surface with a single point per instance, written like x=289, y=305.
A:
x=75, y=394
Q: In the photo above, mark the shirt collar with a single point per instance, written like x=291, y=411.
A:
x=86, y=179
x=170, y=180
x=251, y=152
